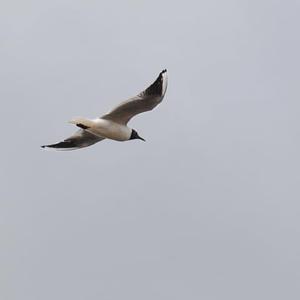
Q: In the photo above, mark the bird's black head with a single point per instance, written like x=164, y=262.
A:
x=135, y=135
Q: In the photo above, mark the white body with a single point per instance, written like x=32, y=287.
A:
x=105, y=128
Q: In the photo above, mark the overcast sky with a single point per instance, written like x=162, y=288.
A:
x=208, y=208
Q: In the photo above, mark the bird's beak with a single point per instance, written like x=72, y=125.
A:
x=141, y=138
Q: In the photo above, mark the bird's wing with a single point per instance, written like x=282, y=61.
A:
x=79, y=139
x=143, y=102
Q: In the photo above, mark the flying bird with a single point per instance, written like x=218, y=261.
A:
x=113, y=125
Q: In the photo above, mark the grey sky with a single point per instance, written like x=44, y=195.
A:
x=208, y=208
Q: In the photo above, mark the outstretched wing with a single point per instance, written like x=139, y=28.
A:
x=143, y=102
x=79, y=139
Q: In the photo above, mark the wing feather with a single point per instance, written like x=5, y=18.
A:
x=144, y=101
x=78, y=140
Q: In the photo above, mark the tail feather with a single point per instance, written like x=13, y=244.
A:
x=82, y=123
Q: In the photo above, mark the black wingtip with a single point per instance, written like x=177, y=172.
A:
x=160, y=77
x=66, y=144
x=162, y=72
x=156, y=88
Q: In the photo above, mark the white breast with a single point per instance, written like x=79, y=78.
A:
x=111, y=130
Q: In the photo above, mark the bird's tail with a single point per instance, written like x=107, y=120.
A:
x=82, y=122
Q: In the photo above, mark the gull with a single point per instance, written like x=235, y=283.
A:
x=113, y=125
